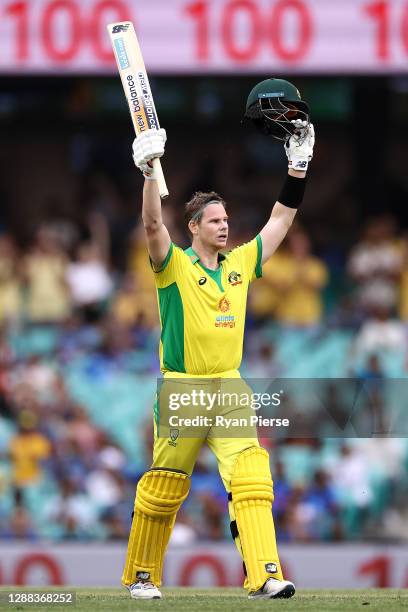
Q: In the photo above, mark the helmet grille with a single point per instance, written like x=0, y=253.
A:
x=273, y=116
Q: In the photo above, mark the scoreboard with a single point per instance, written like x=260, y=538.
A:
x=267, y=37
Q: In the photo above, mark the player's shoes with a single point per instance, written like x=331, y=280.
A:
x=274, y=589
x=143, y=589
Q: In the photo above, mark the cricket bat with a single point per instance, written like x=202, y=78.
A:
x=136, y=85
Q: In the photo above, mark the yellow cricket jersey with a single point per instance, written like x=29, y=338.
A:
x=202, y=311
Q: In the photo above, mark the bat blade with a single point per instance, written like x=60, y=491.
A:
x=136, y=86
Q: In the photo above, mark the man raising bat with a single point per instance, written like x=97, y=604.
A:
x=202, y=295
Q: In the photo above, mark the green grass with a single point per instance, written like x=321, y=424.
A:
x=227, y=600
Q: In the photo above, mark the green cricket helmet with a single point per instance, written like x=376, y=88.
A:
x=273, y=105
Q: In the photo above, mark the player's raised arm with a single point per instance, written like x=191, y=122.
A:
x=275, y=108
x=299, y=150
x=146, y=147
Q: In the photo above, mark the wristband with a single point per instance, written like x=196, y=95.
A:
x=292, y=192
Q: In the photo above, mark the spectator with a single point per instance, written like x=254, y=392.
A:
x=71, y=512
x=135, y=306
x=380, y=332
x=320, y=496
x=137, y=295
x=28, y=449
x=71, y=462
x=298, y=277
x=20, y=526
x=263, y=362
x=88, y=278
x=282, y=491
x=395, y=522
x=115, y=528
x=44, y=274
x=372, y=371
x=298, y=516
x=10, y=289
x=104, y=485
x=375, y=265
x=80, y=429
x=264, y=295
x=183, y=533
x=40, y=377
x=351, y=480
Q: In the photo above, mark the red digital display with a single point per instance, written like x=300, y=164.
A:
x=214, y=36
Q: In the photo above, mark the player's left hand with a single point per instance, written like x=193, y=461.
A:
x=299, y=147
x=146, y=147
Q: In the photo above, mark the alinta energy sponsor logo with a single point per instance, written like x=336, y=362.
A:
x=224, y=305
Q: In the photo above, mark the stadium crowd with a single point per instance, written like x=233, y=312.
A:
x=78, y=368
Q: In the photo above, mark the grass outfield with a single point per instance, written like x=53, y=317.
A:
x=227, y=600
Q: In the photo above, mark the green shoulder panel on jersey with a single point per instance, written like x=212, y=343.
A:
x=172, y=335
x=165, y=262
x=258, y=267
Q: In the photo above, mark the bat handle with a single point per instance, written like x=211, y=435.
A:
x=161, y=181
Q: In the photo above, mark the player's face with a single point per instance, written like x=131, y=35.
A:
x=213, y=227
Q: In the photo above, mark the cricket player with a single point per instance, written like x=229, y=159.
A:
x=197, y=290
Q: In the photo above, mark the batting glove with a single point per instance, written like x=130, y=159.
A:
x=146, y=147
x=299, y=147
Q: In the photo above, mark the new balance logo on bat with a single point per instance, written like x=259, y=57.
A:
x=123, y=27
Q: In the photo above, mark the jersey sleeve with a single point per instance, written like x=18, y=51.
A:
x=171, y=268
x=249, y=256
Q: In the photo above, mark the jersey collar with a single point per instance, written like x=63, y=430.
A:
x=194, y=257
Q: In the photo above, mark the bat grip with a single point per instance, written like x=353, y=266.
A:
x=161, y=181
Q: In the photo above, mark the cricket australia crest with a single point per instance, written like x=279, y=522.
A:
x=174, y=434
x=234, y=278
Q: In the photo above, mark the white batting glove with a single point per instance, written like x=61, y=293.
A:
x=146, y=147
x=299, y=147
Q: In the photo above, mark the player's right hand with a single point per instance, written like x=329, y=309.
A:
x=146, y=147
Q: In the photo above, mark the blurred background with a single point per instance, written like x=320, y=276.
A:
x=79, y=326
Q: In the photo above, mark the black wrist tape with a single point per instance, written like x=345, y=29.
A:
x=292, y=191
